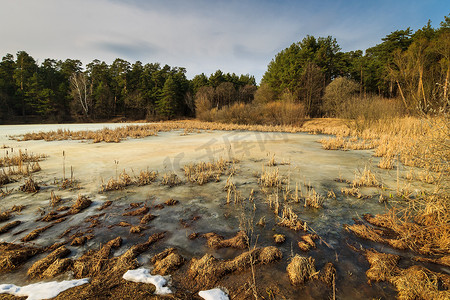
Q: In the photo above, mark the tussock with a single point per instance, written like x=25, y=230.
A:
x=290, y=220
x=367, y=178
x=328, y=274
x=279, y=238
x=208, y=270
x=301, y=269
x=382, y=265
x=59, y=266
x=171, y=179
x=171, y=202
x=215, y=241
x=147, y=218
x=203, y=172
x=372, y=234
x=37, y=269
x=9, y=226
x=415, y=282
x=12, y=256
x=30, y=186
x=138, y=212
x=313, y=199
x=137, y=228
x=35, y=233
x=81, y=203
x=353, y=191
x=54, y=199
x=106, y=204
x=166, y=261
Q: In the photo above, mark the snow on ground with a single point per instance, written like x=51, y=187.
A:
x=42, y=290
x=143, y=275
x=214, y=294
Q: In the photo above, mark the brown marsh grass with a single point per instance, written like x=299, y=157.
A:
x=123, y=180
x=204, y=172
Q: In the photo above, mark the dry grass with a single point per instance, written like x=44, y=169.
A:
x=54, y=199
x=354, y=192
x=41, y=265
x=30, y=186
x=13, y=256
x=291, y=220
x=215, y=241
x=279, y=238
x=270, y=178
x=123, y=180
x=366, y=178
x=203, y=172
x=376, y=235
x=15, y=166
x=313, y=199
x=7, y=227
x=416, y=282
x=301, y=269
x=20, y=159
x=171, y=179
x=151, y=129
x=424, y=228
x=207, y=270
x=167, y=261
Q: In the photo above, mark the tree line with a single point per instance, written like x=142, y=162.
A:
x=57, y=90
x=413, y=67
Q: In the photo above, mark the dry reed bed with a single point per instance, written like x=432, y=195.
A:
x=123, y=180
x=415, y=282
x=204, y=172
x=141, y=131
x=14, y=166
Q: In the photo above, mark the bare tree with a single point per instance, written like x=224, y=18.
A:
x=79, y=86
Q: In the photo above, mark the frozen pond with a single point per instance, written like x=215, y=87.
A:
x=299, y=158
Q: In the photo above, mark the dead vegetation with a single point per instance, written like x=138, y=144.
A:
x=307, y=242
x=13, y=255
x=81, y=203
x=215, y=241
x=279, y=238
x=7, y=227
x=38, y=268
x=167, y=261
x=123, y=180
x=415, y=282
x=270, y=179
x=171, y=179
x=425, y=231
x=207, y=270
x=30, y=186
x=291, y=220
x=301, y=269
x=137, y=212
x=140, y=131
x=203, y=172
x=367, y=178
x=14, y=166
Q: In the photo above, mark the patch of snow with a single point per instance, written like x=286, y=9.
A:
x=143, y=275
x=214, y=294
x=42, y=290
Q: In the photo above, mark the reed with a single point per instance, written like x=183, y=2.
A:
x=204, y=172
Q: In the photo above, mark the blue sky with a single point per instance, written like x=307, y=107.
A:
x=200, y=35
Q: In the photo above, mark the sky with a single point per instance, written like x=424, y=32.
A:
x=202, y=36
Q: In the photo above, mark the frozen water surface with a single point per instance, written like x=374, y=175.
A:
x=301, y=161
